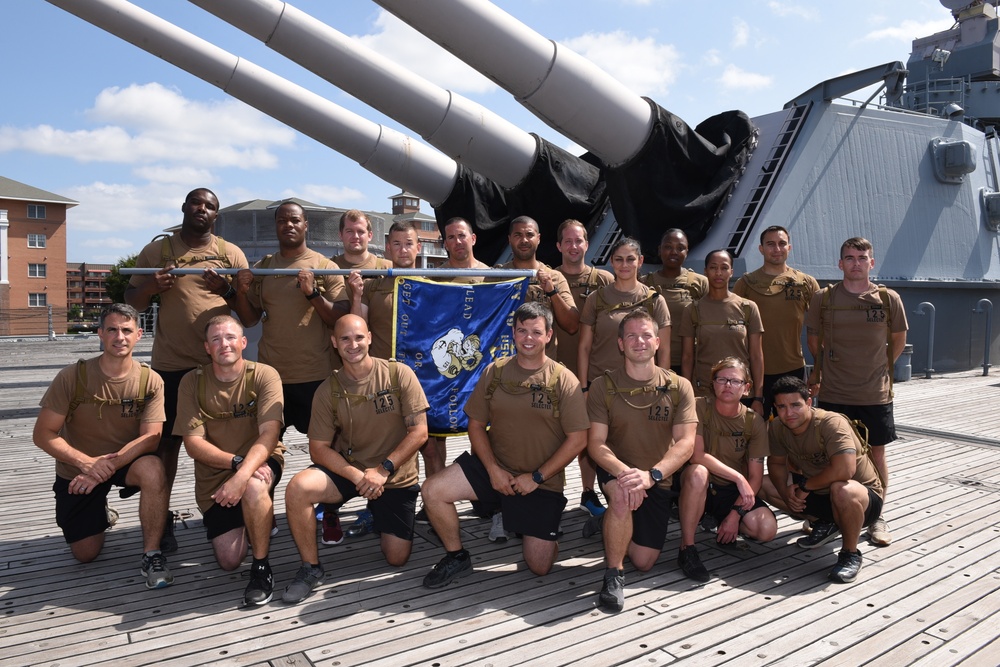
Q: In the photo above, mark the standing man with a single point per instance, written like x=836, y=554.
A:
x=369, y=419
x=187, y=303
x=101, y=420
x=459, y=242
x=538, y=425
x=782, y=295
x=856, y=330
x=677, y=285
x=548, y=287
x=582, y=280
x=642, y=430
x=356, y=234
x=837, y=483
x=229, y=414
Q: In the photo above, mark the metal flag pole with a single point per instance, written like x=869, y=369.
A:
x=366, y=273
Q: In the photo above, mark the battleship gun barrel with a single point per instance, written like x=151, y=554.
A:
x=389, y=154
x=365, y=273
x=458, y=127
x=564, y=89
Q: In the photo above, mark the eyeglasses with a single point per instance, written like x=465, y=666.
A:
x=724, y=382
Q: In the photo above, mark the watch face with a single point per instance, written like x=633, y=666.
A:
x=656, y=475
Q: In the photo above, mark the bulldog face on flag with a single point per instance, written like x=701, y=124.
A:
x=455, y=352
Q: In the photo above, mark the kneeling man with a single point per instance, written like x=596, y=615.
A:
x=833, y=477
x=368, y=422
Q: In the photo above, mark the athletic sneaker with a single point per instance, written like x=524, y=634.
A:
x=421, y=517
x=364, y=524
x=306, y=579
x=591, y=504
x=497, y=533
x=708, y=523
x=878, y=533
x=690, y=564
x=449, y=568
x=261, y=586
x=612, y=595
x=593, y=525
x=847, y=567
x=274, y=526
x=111, y=513
x=154, y=568
x=822, y=533
x=332, y=532
x=168, y=543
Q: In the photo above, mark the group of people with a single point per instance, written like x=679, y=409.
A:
x=660, y=386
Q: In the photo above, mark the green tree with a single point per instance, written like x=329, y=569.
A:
x=116, y=283
x=74, y=313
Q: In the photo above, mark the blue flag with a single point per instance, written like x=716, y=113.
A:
x=448, y=333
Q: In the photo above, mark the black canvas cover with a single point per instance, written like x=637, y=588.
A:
x=680, y=177
x=558, y=186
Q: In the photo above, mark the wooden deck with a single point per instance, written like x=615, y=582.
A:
x=931, y=598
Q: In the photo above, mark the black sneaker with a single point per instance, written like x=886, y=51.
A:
x=822, y=533
x=261, y=586
x=591, y=504
x=847, y=567
x=612, y=595
x=450, y=567
x=421, y=517
x=593, y=525
x=691, y=566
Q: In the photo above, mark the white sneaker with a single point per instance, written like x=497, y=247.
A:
x=497, y=533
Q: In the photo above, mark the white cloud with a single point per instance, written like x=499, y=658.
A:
x=402, y=44
x=734, y=78
x=124, y=207
x=151, y=124
x=108, y=242
x=643, y=65
x=741, y=33
x=711, y=57
x=796, y=10
x=906, y=31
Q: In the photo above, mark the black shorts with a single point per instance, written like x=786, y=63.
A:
x=720, y=498
x=81, y=515
x=536, y=514
x=819, y=506
x=650, y=521
x=298, y=405
x=220, y=520
x=878, y=418
x=171, y=383
x=394, y=510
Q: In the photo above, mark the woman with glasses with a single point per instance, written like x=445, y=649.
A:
x=721, y=324
x=723, y=478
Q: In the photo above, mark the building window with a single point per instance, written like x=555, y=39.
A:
x=36, y=240
x=38, y=300
x=36, y=211
x=36, y=271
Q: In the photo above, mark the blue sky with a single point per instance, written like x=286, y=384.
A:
x=93, y=118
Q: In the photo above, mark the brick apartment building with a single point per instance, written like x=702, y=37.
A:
x=32, y=259
x=86, y=288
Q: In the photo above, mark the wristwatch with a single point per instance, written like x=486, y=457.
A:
x=315, y=293
x=801, y=483
x=237, y=460
x=389, y=466
x=537, y=477
x=655, y=475
x=551, y=293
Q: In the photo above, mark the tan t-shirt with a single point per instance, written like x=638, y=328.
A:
x=581, y=286
x=678, y=293
x=373, y=262
x=465, y=280
x=725, y=437
x=855, y=360
x=640, y=423
x=524, y=429
x=811, y=455
x=783, y=301
x=370, y=421
x=97, y=429
x=234, y=434
x=378, y=296
x=724, y=329
x=295, y=340
x=536, y=293
x=186, y=307
x=604, y=310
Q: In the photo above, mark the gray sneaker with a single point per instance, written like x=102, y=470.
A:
x=448, y=569
x=612, y=595
x=154, y=568
x=497, y=533
x=306, y=580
